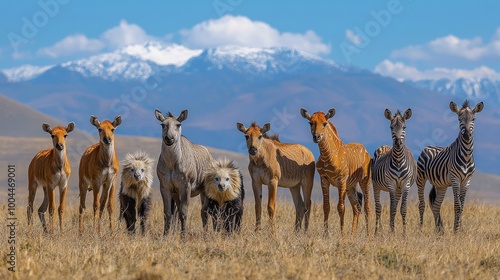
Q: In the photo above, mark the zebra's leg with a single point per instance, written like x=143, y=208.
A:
x=352, y=194
x=421, y=187
x=299, y=207
x=436, y=207
x=394, y=197
x=463, y=192
x=325, y=188
x=404, y=202
x=378, y=208
x=457, y=205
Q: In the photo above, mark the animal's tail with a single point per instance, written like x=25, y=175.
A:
x=432, y=195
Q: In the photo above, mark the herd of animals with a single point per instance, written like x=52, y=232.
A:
x=186, y=170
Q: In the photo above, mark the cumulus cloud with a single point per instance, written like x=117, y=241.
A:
x=77, y=43
x=125, y=34
x=241, y=31
x=402, y=72
x=452, y=46
x=352, y=37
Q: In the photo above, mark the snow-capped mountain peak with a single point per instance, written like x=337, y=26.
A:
x=24, y=72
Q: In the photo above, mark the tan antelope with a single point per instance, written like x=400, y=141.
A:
x=341, y=165
x=279, y=164
x=99, y=167
x=50, y=169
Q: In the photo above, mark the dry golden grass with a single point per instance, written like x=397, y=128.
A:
x=473, y=253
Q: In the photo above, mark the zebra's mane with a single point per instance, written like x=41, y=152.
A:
x=466, y=104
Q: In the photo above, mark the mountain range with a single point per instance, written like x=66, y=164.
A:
x=222, y=86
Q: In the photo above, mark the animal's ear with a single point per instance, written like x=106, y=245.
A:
x=70, y=127
x=407, y=114
x=183, y=116
x=479, y=107
x=159, y=115
x=46, y=128
x=388, y=114
x=241, y=127
x=453, y=107
x=117, y=121
x=94, y=121
x=330, y=113
x=265, y=128
x=305, y=114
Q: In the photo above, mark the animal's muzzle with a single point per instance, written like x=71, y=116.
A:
x=137, y=177
x=252, y=151
x=106, y=140
x=59, y=146
x=169, y=141
x=316, y=138
x=221, y=187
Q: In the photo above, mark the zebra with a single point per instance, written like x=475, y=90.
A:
x=394, y=169
x=452, y=166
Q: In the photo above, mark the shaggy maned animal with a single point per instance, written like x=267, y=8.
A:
x=135, y=189
x=225, y=193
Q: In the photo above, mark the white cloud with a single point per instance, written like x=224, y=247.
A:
x=452, y=46
x=125, y=34
x=241, y=31
x=402, y=72
x=77, y=43
x=352, y=37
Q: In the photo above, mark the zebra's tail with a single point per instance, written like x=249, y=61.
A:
x=432, y=195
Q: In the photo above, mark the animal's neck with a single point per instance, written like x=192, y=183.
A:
x=106, y=153
x=59, y=158
x=398, y=153
x=262, y=156
x=330, y=142
x=172, y=154
x=465, y=147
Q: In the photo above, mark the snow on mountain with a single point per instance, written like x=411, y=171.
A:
x=24, y=72
x=474, y=88
x=162, y=54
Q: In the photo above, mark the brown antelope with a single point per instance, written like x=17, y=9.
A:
x=50, y=169
x=99, y=167
x=341, y=165
x=279, y=164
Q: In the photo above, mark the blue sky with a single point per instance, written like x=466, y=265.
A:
x=405, y=39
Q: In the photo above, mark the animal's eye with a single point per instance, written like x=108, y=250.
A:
x=178, y=125
x=99, y=129
x=404, y=127
x=52, y=136
x=142, y=170
x=112, y=130
x=246, y=136
x=227, y=179
x=260, y=137
x=163, y=125
x=311, y=123
x=132, y=170
x=217, y=179
x=65, y=135
x=324, y=124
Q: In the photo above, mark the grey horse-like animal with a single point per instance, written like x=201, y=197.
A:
x=180, y=170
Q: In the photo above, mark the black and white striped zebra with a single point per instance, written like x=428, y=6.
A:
x=452, y=166
x=394, y=169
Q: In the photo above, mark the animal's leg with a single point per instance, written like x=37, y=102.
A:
x=436, y=208
x=52, y=207
x=257, y=192
x=325, y=188
x=111, y=203
x=404, y=203
x=204, y=211
x=299, y=206
x=183, y=209
x=394, y=205
x=352, y=194
x=463, y=192
x=378, y=208
x=421, y=187
x=32, y=187
x=144, y=209
x=128, y=211
x=43, y=208
x=340, y=205
x=365, y=184
x=83, y=192
x=167, y=208
x=97, y=224
x=271, y=205
x=457, y=205
x=307, y=185
x=62, y=204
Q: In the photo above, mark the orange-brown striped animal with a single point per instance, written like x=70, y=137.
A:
x=341, y=165
x=99, y=167
x=50, y=169
x=279, y=164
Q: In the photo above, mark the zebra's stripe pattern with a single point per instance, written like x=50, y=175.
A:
x=394, y=169
x=452, y=166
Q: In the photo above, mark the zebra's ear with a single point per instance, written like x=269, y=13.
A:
x=159, y=115
x=407, y=114
x=241, y=127
x=479, y=107
x=453, y=107
x=265, y=128
x=305, y=114
x=330, y=113
x=70, y=127
x=46, y=128
x=388, y=114
x=94, y=121
x=183, y=116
